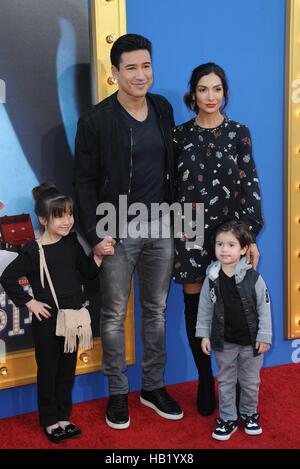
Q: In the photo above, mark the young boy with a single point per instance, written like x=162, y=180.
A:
x=234, y=318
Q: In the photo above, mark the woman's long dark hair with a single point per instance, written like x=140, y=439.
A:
x=197, y=74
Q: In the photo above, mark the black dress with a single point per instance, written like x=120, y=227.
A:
x=215, y=167
x=66, y=260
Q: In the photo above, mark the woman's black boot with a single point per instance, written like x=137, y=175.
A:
x=206, y=401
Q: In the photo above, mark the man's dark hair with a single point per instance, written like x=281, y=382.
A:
x=197, y=74
x=239, y=230
x=128, y=43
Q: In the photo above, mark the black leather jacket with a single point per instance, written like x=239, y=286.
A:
x=246, y=291
x=255, y=300
x=103, y=158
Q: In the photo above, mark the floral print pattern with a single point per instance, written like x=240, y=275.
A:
x=215, y=167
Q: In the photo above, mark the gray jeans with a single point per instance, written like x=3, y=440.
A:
x=237, y=362
x=153, y=259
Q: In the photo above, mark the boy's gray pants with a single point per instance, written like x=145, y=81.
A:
x=237, y=363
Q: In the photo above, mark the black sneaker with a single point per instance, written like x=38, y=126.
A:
x=224, y=429
x=117, y=412
x=72, y=431
x=162, y=403
x=57, y=435
x=251, y=424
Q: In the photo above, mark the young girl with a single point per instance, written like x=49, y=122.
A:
x=234, y=319
x=65, y=260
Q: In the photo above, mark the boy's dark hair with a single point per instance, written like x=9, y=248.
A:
x=50, y=201
x=239, y=229
x=128, y=43
x=197, y=74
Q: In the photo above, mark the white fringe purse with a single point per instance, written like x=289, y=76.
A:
x=71, y=323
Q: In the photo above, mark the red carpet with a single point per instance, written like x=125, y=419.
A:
x=279, y=408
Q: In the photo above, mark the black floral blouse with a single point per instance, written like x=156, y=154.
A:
x=215, y=167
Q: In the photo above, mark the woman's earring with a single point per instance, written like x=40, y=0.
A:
x=193, y=104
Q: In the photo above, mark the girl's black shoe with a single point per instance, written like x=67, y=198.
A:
x=57, y=435
x=71, y=431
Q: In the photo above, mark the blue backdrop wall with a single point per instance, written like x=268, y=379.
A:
x=247, y=39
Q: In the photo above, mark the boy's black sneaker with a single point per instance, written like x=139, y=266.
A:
x=224, y=429
x=162, y=403
x=117, y=412
x=72, y=431
x=251, y=424
x=57, y=435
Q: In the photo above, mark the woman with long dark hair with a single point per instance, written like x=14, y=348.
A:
x=216, y=168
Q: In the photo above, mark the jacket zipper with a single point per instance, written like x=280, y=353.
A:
x=167, y=149
x=105, y=184
x=131, y=156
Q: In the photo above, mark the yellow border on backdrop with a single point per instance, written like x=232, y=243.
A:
x=108, y=18
x=108, y=22
x=292, y=171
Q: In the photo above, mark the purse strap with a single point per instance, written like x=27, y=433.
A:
x=43, y=267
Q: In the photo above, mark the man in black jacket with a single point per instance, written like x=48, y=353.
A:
x=124, y=148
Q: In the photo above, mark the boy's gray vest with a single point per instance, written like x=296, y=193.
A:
x=246, y=290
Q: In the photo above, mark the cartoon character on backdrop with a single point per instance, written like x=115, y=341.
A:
x=49, y=83
x=41, y=147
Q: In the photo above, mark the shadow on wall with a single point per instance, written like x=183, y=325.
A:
x=30, y=34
